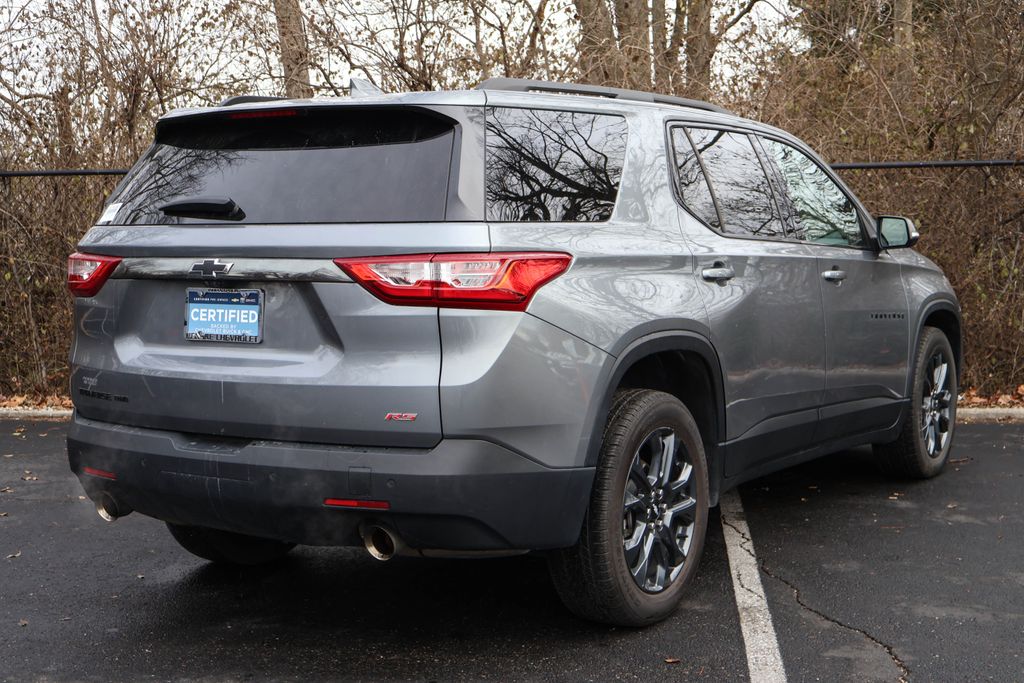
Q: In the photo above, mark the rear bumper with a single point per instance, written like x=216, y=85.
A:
x=462, y=494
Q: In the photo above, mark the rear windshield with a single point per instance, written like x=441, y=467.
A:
x=315, y=165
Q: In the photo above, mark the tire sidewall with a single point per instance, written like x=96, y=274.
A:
x=933, y=341
x=666, y=412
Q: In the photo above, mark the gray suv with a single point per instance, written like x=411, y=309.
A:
x=527, y=317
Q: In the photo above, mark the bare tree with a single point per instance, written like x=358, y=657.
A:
x=903, y=41
x=294, y=48
x=634, y=44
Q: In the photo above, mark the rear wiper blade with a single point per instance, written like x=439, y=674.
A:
x=219, y=208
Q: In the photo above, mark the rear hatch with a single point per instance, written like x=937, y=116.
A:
x=227, y=315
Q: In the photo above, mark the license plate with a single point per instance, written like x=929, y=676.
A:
x=224, y=315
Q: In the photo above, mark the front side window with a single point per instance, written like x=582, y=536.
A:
x=738, y=182
x=552, y=165
x=822, y=213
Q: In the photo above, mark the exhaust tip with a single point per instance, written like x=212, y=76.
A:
x=108, y=509
x=381, y=543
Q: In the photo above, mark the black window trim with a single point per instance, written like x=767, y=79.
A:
x=864, y=216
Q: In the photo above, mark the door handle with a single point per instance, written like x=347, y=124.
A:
x=834, y=275
x=719, y=272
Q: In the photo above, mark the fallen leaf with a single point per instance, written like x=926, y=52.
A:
x=22, y=623
x=8, y=455
x=140, y=576
x=65, y=618
x=81, y=498
x=6, y=489
x=671, y=660
x=3, y=514
x=1020, y=390
x=15, y=555
x=28, y=476
x=951, y=506
x=958, y=461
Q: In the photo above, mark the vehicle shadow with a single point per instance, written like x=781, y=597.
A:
x=336, y=613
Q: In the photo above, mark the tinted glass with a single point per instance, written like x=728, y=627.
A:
x=300, y=166
x=821, y=211
x=738, y=182
x=693, y=186
x=553, y=165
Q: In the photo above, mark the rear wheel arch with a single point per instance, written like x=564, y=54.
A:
x=683, y=364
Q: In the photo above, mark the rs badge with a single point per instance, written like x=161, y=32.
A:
x=401, y=417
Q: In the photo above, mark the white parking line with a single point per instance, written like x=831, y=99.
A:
x=764, y=662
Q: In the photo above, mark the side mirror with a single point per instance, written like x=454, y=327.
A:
x=896, y=232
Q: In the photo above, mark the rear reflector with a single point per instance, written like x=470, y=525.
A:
x=503, y=281
x=88, y=272
x=102, y=474
x=352, y=503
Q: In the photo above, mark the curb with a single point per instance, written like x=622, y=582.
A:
x=966, y=415
x=990, y=415
x=36, y=413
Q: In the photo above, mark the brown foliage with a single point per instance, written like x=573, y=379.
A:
x=850, y=97
x=41, y=219
x=82, y=89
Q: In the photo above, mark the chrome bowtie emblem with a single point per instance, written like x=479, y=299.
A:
x=210, y=268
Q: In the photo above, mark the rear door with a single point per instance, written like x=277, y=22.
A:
x=761, y=293
x=862, y=290
x=239, y=323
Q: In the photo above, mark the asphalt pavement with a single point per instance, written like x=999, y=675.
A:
x=866, y=579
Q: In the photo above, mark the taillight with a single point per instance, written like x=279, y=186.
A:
x=504, y=281
x=88, y=272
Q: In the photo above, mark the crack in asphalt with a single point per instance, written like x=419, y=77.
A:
x=747, y=546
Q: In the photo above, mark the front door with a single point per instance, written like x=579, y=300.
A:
x=865, y=305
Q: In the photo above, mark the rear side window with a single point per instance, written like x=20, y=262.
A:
x=690, y=179
x=315, y=165
x=738, y=182
x=821, y=211
x=552, y=165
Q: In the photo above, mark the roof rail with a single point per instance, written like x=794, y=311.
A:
x=527, y=85
x=246, y=99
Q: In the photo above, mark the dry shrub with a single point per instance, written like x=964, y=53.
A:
x=41, y=220
x=958, y=95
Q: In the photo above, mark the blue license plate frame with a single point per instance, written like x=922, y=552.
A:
x=224, y=315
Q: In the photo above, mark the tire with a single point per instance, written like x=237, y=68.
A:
x=225, y=547
x=595, y=577
x=922, y=448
